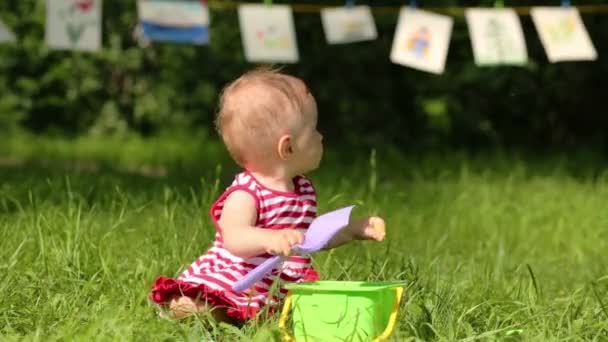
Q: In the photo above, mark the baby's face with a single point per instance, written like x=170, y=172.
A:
x=308, y=145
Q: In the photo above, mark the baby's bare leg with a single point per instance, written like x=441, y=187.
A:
x=184, y=306
x=180, y=307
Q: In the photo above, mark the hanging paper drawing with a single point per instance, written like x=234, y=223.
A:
x=418, y=44
x=174, y=21
x=563, y=34
x=422, y=40
x=73, y=24
x=348, y=24
x=6, y=35
x=271, y=38
x=496, y=37
x=268, y=33
x=561, y=30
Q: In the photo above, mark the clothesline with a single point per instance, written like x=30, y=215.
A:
x=421, y=38
x=450, y=10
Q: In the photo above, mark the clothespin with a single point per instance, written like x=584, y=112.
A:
x=565, y=3
x=268, y=2
x=349, y=3
x=499, y=4
x=413, y=4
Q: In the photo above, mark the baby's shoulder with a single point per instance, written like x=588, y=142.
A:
x=242, y=178
x=243, y=181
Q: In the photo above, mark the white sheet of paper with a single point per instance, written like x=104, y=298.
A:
x=422, y=40
x=73, y=24
x=496, y=36
x=6, y=35
x=563, y=34
x=348, y=24
x=268, y=33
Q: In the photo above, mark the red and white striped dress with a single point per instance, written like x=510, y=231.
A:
x=211, y=276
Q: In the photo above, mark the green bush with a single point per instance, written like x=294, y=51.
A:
x=363, y=98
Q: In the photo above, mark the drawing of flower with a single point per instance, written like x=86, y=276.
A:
x=84, y=5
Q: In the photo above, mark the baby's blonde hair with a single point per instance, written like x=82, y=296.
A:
x=256, y=109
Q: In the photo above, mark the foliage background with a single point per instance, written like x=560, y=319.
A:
x=363, y=98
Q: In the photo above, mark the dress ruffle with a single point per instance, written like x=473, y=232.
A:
x=311, y=275
x=165, y=289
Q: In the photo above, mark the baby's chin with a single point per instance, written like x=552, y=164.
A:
x=309, y=167
x=314, y=167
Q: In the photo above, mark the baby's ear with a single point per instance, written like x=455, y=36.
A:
x=284, y=147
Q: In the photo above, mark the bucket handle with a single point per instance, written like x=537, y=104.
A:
x=388, y=331
x=285, y=317
x=392, y=321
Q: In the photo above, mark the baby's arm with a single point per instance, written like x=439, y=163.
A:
x=369, y=228
x=243, y=239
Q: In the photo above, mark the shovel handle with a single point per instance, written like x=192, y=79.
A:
x=256, y=274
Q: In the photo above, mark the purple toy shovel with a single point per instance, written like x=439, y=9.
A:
x=321, y=230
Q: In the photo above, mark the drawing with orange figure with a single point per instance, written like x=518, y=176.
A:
x=419, y=43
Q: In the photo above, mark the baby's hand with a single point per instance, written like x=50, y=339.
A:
x=371, y=228
x=283, y=241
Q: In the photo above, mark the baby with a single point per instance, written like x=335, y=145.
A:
x=268, y=122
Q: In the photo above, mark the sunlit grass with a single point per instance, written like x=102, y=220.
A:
x=495, y=247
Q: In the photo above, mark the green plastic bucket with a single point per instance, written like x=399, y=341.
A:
x=340, y=311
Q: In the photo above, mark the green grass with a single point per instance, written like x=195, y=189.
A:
x=495, y=247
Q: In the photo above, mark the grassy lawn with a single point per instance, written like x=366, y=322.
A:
x=495, y=247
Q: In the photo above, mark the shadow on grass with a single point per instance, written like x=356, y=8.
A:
x=23, y=184
x=98, y=179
